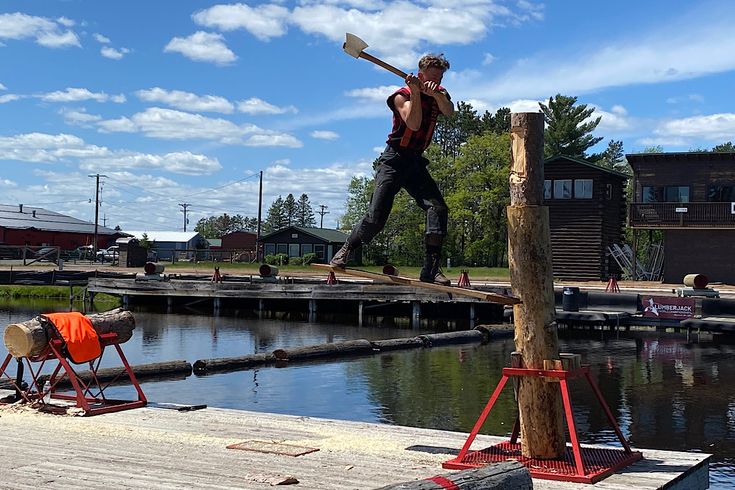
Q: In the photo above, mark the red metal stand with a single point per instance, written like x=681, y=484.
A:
x=216, y=277
x=331, y=279
x=612, y=285
x=464, y=279
x=89, y=394
x=580, y=465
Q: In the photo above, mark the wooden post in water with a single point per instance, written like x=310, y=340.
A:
x=531, y=275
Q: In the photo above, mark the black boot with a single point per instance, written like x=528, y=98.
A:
x=431, y=271
x=340, y=258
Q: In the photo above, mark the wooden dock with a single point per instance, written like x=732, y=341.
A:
x=159, y=448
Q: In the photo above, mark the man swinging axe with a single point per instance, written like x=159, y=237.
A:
x=415, y=109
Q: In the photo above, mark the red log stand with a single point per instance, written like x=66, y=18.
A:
x=88, y=394
x=579, y=464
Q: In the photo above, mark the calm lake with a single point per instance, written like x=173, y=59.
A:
x=667, y=392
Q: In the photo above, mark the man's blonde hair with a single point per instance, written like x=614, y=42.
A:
x=433, y=61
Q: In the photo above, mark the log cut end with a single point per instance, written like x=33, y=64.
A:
x=25, y=339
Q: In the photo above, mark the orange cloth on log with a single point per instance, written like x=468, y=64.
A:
x=82, y=341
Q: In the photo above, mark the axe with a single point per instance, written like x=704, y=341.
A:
x=354, y=46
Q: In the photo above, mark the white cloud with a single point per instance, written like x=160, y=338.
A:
x=712, y=127
x=78, y=94
x=324, y=135
x=113, y=53
x=9, y=98
x=678, y=51
x=613, y=121
x=684, y=98
x=8, y=183
x=66, y=22
x=44, y=31
x=3, y=87
x=50, y=148
x=157, y=122
x=100, y=38
x=264, y=21
x=202, y=46
x=374, y=94
x=79, y=117
x=255, y=106
x=487, y=59
x=186, y=101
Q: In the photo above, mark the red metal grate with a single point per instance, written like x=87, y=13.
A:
x=598, y=462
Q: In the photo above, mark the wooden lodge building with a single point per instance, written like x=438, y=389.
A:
x=691, y=198
x=297, y=241
x=586, y=215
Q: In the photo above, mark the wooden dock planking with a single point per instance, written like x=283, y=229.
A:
x=162, y=449
x=407, y=281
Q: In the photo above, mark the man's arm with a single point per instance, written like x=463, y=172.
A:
x=446, y=106
x=410, y=113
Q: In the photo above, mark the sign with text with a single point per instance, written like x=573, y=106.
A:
x=668, y=307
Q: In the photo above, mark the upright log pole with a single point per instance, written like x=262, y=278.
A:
x=531, y=275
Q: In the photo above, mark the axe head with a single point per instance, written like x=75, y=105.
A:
x=353, y=45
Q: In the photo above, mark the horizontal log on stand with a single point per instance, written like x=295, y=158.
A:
x=508, y=475
x=29, y=338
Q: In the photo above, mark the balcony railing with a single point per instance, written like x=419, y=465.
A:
x=682, y=215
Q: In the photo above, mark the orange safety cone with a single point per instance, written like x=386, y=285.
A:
x=331, y=279
x=612, y=285
x=464, y=279
x=216, y=277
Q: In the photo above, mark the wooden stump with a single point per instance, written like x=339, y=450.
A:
x=29, y=338
x=509, y=475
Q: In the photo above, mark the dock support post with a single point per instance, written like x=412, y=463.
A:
x=126, y=300
x=261, y=308
x=360, y=306
x=312, y=310
x=169, y=303
x=415, y=315
x=529, y=259
x=472, y=315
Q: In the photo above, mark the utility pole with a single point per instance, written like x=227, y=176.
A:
x=104, y=220
x=96, y=211
x=260, y=210
x=322, y=211
x=185, y=206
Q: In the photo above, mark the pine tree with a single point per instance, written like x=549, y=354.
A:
x=613, y=157
x=567, y=133
x=724, y=148
x=289, y=209
x=304, y=212
x=276, y=218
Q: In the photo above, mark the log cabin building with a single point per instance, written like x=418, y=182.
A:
x=297, y=241
x=586, y=215
x=691, y=198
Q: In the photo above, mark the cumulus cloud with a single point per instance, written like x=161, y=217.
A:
x=374, y=94
x=186, y=101
x=113, y=53
x=264, y=21
x=100, y=38
x=202, y=46
x=3, y=87
x=324, y=135
x=256, y=106
x=53, y=148
x=45, y=32
x=713, y=127
x=8, y=98
x=79, y=117
x=157, y=122
x=78, y=94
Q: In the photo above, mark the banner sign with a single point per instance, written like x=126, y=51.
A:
x=667, y=307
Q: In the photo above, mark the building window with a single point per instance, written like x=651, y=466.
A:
x=270, y=249
x=281, y=248
x=583, y=189
x=547, y=189
x=306, y=248
x=563, y=189
x=651, y=194
x=293, y=250
x=677, y=193
x=721, y=193
x=319, y=251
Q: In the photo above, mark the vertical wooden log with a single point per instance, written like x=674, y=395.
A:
x=531, y=275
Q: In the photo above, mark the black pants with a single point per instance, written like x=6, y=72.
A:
x=408, y=171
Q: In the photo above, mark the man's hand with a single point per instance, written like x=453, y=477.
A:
x=414, y=83
x=431, y=88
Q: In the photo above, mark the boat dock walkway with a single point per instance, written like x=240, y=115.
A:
x=164, y=448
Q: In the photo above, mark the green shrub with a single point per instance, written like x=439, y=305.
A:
x=309, y=258
x=270, y=259
x=295, y=261
x=281, y=259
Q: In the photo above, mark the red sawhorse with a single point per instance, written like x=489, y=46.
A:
x=89, y=390
x=578, y=464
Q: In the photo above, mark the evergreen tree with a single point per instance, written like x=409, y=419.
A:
x=567, y=133
x=217, y=226
x=276, y=217
x=304, y=212
x=453, y=130
x=724, y=148
x=613, y=157
x=289, y=209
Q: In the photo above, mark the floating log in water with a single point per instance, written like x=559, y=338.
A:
x=167, y=369
x=347, y=348
x=232, y=363
x=508, y=475
x=398, y=344
x=449, y=338
x=29, y=338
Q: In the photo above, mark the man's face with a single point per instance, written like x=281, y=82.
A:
x=432, y=74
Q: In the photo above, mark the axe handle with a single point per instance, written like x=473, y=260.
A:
x=382, y=63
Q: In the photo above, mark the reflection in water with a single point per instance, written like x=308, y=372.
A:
x=665, y=392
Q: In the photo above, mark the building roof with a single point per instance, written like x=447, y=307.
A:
x=680, y=156
x=588, y=164
x=325, y=234
x=166, y=236
x=11, y=216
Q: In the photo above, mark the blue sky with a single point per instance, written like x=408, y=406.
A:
x=186, y=101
